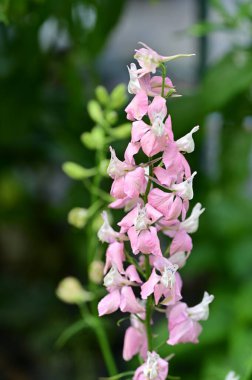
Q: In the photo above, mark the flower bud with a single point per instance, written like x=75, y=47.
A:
x=102, y=95
x=118, y=96
x=95, y=111
x=122, y=131
x=103, y=166
x=94, y=139
x=78, y=217
x=71, y=291
x=96, y=271
x=112, y=117
x=76, y=171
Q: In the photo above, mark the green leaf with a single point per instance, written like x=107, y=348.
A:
x=228, y=78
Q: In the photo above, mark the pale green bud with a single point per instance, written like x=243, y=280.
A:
x=94, y=139
x=95, y=111
x=102, y=95
x=78, y=217
x=111, y=117
x=118, y=96
x=122, y=131
x=71, y=291
x=103, y=167
x=76, y=171
x=96, y=271
x=97, y=223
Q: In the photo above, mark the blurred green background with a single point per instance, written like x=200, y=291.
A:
x=53, y=54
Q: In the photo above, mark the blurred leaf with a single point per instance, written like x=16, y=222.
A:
x=228, y=78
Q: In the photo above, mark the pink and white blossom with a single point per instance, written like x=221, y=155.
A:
x=120, y=293
x=138, y=224
x=183, y=322
x=153, y=138
x=154, y=368
x=164, y=281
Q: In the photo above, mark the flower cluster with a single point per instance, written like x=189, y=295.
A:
x=140, y=276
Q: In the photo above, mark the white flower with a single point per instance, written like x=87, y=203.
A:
x=134, y=85
x=200, y=312
x=142, y=222
x=191, y=224
x=106, y=233
x=168, y=275
x=232, y=376
x=116, y=168
x=184, y=189
x=151, y=366
x=113, y=278
x=186, y=143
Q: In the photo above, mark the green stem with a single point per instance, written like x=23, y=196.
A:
x=149, y=181
x=163, y=68
x=148, y=308
x=105, y=348
x=97, y=194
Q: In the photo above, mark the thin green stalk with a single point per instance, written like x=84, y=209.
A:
x=92, y=247
x=163, y=68
x=148, y=308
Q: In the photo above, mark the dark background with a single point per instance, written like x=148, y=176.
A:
x=52, y=55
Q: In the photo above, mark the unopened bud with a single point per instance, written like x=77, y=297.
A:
x=78, y=217
x=112, y=117
x=96, y=271
x=102, y=95
x=94, y=139
x=76, y=171
x=122, y=131
x=95, y=111
x=118, y=96
x=71, y=291
x=103, y=166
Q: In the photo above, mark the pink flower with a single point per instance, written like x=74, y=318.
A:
x=153, y=138
x=135, y=339
x=138, y=106
x=129, y=179
x=183, y=320
x=138, y=224
x=115, y=257
x=149, y=59
x=152, y=86
x=167, y=284
x=120, y=294
x=166, y=203
x=181, y=242
x=154, y=368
